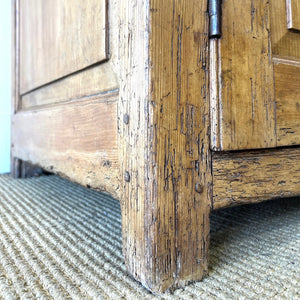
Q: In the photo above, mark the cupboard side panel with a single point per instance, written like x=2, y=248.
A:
x=77, y=141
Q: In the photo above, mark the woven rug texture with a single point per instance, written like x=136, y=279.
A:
x=59, y=240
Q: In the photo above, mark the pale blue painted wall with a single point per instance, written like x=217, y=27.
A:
x=5, y=84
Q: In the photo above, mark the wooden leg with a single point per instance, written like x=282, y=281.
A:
x=164, y=141
x=166, y=241
x=22, y=169
x=16, y=167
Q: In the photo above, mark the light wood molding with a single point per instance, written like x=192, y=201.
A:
x=253, y=176
x=293, y=15
x=88, y=83
x=166, y=190
x=215, y=95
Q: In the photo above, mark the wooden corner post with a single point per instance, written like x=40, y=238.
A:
x=164, y=142
x=15, y=163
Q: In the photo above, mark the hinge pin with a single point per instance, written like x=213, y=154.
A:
x=215, y=18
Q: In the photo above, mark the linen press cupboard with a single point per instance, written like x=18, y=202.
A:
x=172, y=109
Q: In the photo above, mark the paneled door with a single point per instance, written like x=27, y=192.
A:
x=66, y=92
x=255, y=76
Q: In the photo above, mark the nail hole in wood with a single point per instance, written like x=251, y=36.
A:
x=127, y=176
x=199, y=188
x=126, y=119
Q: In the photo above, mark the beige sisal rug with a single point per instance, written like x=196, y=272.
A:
x=59, y=240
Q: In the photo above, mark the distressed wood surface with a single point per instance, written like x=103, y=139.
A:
x=59, y=37
x=287, y=90
x=247, y=107
x=88, y=83
x=293, y=15
x=254, y=98
x=77, y=141
x=254, y=176
x=166, y=190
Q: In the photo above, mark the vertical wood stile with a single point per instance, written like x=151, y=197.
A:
x=15, y=163
x=164, y=147
x=246, y=98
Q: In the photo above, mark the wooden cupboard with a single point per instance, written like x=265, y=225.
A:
x=134, y=98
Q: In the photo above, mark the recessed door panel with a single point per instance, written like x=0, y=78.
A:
x=59, y=37
x=285, y=41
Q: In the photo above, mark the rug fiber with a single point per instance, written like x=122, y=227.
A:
x=59, y=240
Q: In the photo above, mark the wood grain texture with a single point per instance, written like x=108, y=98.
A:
x=78, y=94
x=77, y=141
x=59, y=37
x=254, y=176
x=215, y=94
x=293, y=14
x=166, y=203
x=285, y=43
x=15, y=17
x=88, y=83
x=247, y=116
x=287, y=90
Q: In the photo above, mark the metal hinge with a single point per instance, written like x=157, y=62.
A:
x=215, y=18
